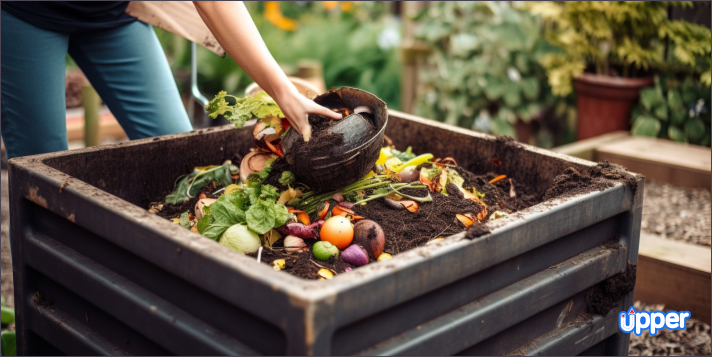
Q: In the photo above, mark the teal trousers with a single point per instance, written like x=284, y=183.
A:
x=126, y=66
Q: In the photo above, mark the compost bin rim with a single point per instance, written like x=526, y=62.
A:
x=294, y=287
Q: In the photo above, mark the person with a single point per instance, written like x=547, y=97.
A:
x=124, y=61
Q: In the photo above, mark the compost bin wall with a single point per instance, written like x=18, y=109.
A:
x=95, y=273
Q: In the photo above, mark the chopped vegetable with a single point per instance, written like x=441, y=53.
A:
x=184, y=219
x=241, y=239
x=239, y=110
x=355, y=255
x=278, y=264
x=384, y=256
x=300, y=230
x=201, y=204
x=300, y=215
x=467, y=219
x=323, y=250
x=188, y=186
x=294, y=244
x=404, y=156
x=498, y=214
x=500, y=177
x=324, y=210
x=411, y=206
x=287, y=178
x=418, y=160
x=254, y=205
x=325, y=274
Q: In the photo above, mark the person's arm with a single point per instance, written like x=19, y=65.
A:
x=234, y=29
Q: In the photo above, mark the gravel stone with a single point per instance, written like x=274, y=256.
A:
x=677, y=213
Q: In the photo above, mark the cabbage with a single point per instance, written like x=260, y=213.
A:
x=241, y=239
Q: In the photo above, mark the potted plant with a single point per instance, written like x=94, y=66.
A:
x=674, y=109
x=611, y=50
x=482, y=72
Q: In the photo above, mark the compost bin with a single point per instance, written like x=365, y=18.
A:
x=96, y=273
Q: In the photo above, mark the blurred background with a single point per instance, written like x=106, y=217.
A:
x=627, y=82
x=505, y=68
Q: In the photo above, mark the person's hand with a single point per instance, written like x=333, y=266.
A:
x=234, y=29
x=296, y=109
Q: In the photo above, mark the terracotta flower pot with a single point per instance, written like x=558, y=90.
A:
x=604, y=103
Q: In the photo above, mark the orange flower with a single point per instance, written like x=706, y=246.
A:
x=330, y=5
x=346, y=6
x=274, y=15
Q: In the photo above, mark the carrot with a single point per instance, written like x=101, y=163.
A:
x=498, y=178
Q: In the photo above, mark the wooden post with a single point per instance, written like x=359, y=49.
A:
x=312, y=71
x=411, y=53
x=91, y=101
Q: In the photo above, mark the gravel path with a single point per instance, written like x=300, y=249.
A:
x=677, y=213
x=695, y=340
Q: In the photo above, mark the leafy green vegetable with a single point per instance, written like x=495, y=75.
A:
x=433, y=173
x=178, y=195
x=188, y=186
x=287, y=178
x=254, y=206
x=239, y=110
x=184, y=219
x=204, y=222
x=221, y=175
x=404, y=156
x=260, y=217
x=8, y=315
x=8, y=342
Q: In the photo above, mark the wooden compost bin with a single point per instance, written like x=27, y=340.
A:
x=96, y=273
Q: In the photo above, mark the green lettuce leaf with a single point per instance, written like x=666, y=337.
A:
x=260, y=217
x=239, y=110
x=184, y=219
x=281, y=215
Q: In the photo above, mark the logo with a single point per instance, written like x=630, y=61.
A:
x=653, y=321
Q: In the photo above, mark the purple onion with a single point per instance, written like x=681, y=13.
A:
x=347, y=205
x=355, y=255
x=338, y=197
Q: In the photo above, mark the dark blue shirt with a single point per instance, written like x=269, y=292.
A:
x=70, y=16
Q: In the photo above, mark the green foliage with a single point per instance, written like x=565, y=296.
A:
x=184, y=219
x=8, y=342
x=674, y=109
x=254, y=206
x=188, y=186
x=239, y=110
x=357, y=49
x=287, y=178
x=628, y=35
x=483, y=72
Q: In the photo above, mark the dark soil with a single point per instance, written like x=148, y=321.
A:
x=406, y=230
x=597, y=178
x=605, y=295
x=174, y=211
x=278, y=166
x=303, y=264
x=322, y=140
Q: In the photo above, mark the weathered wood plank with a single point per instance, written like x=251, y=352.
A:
x=676, y=274
x=661, y=160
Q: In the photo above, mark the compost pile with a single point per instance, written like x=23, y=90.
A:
x=256, y=205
